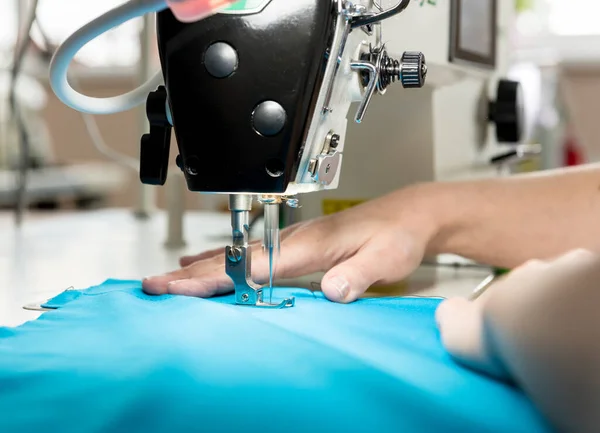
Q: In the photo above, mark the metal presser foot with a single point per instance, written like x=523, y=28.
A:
x=238, y=258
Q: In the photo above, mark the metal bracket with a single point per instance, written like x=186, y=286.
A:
x=324, y=167
x=338, y=45
x=247, y=292
x=372, y=18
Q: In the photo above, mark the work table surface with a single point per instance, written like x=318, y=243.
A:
x=54, y=251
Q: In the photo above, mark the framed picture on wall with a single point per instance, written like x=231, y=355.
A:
x=473, y=32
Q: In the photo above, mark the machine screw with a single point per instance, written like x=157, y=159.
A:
x=335, y=141
x=293, y=202
x=191, y=171
x=245, y=297
x=332, y=141
x=192, y=165
x=354, y=9
x=234, y=255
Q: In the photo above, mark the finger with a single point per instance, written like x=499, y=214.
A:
x=157, y=285
x=498, y=281
x=203, y=287
x=189, y=260
x=460, y=323
x=350, y=279
x=386, y=259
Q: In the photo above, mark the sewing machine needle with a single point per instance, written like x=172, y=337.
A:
x=271, y=240
x=270, y=274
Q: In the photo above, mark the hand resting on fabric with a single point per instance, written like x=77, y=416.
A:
x=501, y=222
x=540, y=327
x=381, y=241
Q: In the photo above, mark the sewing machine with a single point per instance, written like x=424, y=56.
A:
x=259, y=98
x=451, y=129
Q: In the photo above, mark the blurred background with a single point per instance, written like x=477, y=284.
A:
x=76, y=161
x=79, y=161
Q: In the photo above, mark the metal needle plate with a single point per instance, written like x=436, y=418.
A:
x=286, y=303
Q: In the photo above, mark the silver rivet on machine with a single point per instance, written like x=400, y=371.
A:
x=234, y=255
x=220, y=60
x=268, y=118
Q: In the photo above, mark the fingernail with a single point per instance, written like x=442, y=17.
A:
x=341, y=285
x=174, y=283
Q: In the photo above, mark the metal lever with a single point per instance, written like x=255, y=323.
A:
x=371, y=69
x=372, y=18
x=155, y=146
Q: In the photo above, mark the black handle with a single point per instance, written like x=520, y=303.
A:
x=155, y=146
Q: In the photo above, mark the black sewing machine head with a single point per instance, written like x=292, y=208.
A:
x=256, y=95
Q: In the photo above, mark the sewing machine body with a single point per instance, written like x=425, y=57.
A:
x=442, y=132
x=258, y=102
x=241, y=90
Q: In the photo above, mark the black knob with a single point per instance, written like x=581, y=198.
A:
x=413, y=70
x=155, y=146
x=507, y=112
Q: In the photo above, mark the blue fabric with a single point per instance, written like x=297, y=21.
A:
x=112, y=359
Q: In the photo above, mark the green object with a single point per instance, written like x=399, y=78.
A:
x=500, y=271
x=245, y=6
x=524, y=5
x=237, y=6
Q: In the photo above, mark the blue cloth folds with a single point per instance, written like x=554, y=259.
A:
x=113, y=359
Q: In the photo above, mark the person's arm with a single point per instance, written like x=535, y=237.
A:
x=539, y=327
x=501, y=222
x=505, y=222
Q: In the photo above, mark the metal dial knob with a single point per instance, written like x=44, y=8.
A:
x=507, y=112
x=413, y=70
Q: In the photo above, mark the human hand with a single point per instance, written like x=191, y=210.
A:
x=539, y=327
x=381, y=241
